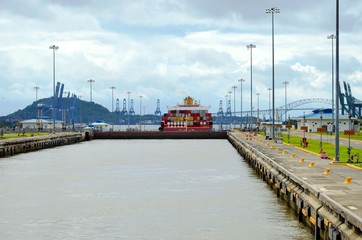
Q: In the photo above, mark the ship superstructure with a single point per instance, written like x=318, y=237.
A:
x=189, y=116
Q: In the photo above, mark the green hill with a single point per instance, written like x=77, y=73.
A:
x=76, y=111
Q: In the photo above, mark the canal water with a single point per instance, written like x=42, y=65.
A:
x=140, y=189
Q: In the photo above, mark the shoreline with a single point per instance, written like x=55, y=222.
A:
x=12, y=146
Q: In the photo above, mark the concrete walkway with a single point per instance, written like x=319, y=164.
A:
x=329, y=181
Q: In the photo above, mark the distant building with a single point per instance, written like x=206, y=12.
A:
x=35, y=124
x=100, y=126
x=323, y=118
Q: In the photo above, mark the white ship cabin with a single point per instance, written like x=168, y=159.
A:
x=189, y=105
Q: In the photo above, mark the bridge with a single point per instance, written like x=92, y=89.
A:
x=349, y=105
x=282, y=110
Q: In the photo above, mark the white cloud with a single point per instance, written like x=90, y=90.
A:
x=171, y=48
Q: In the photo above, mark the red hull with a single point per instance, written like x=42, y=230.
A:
x=162, y=135
x=188, y=129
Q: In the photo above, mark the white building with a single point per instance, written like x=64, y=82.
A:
x=35, y=124
x=322, y=118
x=100, y=126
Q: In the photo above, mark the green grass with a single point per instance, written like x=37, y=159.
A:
x=314, y=146
x=27, y=134
x=357, y=136
x=358, y=165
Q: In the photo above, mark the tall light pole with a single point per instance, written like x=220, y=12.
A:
x=257, y=113
x=304, y=125
x=269, y=89
x=250, y=47
x=226, y=106
x=285, y=96
x=90, y=99
x=112, y=89
x=144, y=113
x=54, y=48
x=128, y=93
x=321, y=139
x=272, y=11
x=141, y=112
x=234, y=87
x=80, y=110
x=332, y=37
x=39, y=110
x=64, y=112
x=349, y=137
x=226, y=102
x=241, y=101
x=337, y=84
x=231, y=115
x=36, y=93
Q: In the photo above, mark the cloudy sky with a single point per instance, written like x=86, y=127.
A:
x=169, y=49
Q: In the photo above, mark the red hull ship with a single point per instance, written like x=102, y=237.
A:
x=190, y=116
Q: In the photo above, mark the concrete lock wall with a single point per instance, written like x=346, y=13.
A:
x=324, y=217
x=22, y=145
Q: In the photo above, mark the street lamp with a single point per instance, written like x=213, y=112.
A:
x=336, y=157
x=285, y=95
x=234, y=87
x=349, y=137
x=226, y=106
x=269, y=89
x=141, y=112
x=229, y=105
x=226, y=103
x=39, y=110
x=80, y=110
x=64, y=112
x=36, y=93
x=332, y=37
x=251, y=46
x=257, y=113
x=128, y=93
x=321, y=140
x=112, y=88
x=304, y=125
x=54, y=48
x=289, y=129
x=272, y=11
x=90, y=97
x=144, y=113
x=241, y=101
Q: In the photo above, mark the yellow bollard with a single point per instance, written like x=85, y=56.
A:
x=301, y=160
x=272, y=146
x=285, y=152
x=295, y=195
x=326, y=222
x=311, y=164
x=348, y=180
x=292, y=155
x=277, y=149
x=327, y=171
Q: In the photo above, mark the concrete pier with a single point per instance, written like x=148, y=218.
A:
x=9, y=147
x=326, y=198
